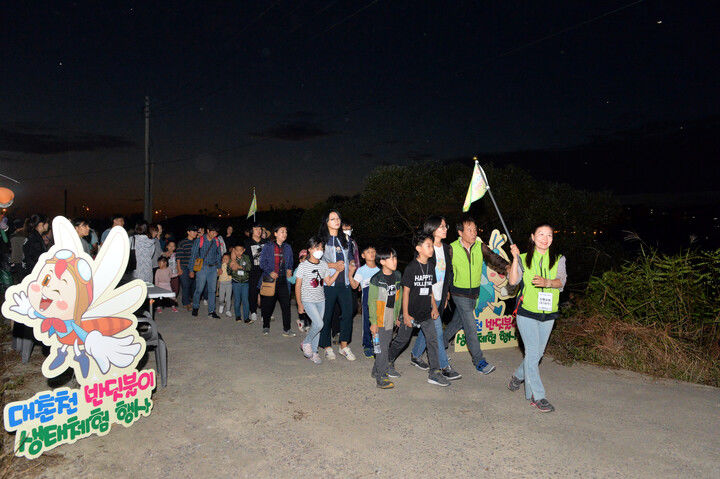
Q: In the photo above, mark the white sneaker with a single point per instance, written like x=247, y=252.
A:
x=253, y=317
x=228, y=313
x=329, y=354
x=315, y=358
x=306, y=349
x=205, y=302
x=347, y=353
x=220, y=309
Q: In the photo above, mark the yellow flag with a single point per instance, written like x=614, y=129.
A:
x=253, y=206
x=478, y=187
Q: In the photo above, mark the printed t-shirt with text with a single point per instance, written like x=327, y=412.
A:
x=420, y=279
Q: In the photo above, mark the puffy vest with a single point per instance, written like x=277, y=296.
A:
x=467, y=273
x=530, y=293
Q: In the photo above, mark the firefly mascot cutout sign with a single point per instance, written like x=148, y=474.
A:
x=495, y=329
x=73, y=306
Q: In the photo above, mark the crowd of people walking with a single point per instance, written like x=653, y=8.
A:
x=335, y=278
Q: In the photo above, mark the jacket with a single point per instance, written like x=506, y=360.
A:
x=267, y=258
x=377, y=299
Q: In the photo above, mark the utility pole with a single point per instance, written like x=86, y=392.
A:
x=148, y=213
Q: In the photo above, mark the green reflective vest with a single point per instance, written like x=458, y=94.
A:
x=538, y=267
x=467, y=273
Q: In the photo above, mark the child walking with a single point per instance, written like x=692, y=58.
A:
x=310, y=277
x=419, y=307
x=175, y=270
x=224, y=286
x=240, y=266
x=384, y=305
x=162, y=280
x=361, y=281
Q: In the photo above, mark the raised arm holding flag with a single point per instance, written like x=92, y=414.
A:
x=478, y=186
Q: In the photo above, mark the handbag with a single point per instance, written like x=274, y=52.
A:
x=267, y=287
x=197, y=266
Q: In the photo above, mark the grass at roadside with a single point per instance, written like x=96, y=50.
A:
x=658, y=315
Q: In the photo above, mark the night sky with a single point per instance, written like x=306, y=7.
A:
x=300, y=99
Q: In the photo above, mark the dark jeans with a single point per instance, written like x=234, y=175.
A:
x=338, y=312
x=254, y=288
x=382, y=359
x=367, y=336
x=187, y=283
x=463, y=318
x=267, y=305
x=403, y=338
x=340, y=294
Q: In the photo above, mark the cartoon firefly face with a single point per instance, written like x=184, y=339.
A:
x=63, y=289
x=497, y=279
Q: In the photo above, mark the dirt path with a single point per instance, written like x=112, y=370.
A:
x=242, y=405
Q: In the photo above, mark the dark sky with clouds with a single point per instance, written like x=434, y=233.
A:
x=301, y=98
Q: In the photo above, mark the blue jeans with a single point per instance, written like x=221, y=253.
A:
x=535, y=336
x=316, y=311
x=187, y=286
x=240, y=297
x=206, y=276
x=420, y=345
x=464, y=318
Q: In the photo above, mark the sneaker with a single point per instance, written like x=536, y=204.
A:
x=329, y=354
x=221, y=308
x=195, y=311
x=419, y=363
x=205, y=302
x=289, y=333
x=266, y=331
x=253, y=317
x=514, y=383
x=315, y=358
x=228, y=313
x=392, y=372
x=188, y=307
x=174, y=309
x=450, y=373
x=306, y=349
x=246, y=321
x=213, y=315
x=437, y=378
x=158, y=310
x=385, y=383
x=485, y=367
x=543, y=405
x=347, y=353
x=369, y=353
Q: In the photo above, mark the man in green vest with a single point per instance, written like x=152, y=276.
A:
x=468, y=253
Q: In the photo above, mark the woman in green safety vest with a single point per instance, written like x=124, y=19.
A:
x=543, y=275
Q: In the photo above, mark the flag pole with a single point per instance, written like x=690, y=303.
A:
x=482, y=172
x=254, y=198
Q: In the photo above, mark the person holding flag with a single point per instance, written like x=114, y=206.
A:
x=542, y=273
x=468, y=253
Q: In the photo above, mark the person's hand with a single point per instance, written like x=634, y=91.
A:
x=434, y=314
x=234, y=266
x=373, y=329
x=515, y=251
x=397, y=323
x=408, y=321
x=301, y=310
x=192, y=274
x=339, y=266
x=273, y=275
x=352, y=267
x=541, y=282
x=180, y=271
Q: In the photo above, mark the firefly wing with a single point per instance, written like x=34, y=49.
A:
x=65, y=235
